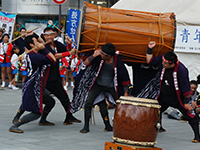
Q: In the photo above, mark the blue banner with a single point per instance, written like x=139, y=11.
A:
x=73, y=23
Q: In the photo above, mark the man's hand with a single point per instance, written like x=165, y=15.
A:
x=97, y=53
x=21, y=58
x=30, y=32
x=194, y=105
x=188, y=107
x=60, y=68
x=149, y=54
x=152, y=44
x=68, y=40
x=73, y=51
x=40, y=46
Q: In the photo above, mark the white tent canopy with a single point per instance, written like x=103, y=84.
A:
x=186, y=12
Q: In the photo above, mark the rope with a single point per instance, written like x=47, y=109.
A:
x=99, y=27
x=150, y=30
x=161, y=39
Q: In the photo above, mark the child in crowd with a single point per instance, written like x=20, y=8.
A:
x=15, y=66
x=5, y=51
x=75, y=63
x=69, y=72
x=23, y=65
x=62, y=67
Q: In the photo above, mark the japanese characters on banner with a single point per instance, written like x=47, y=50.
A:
x=74, y=16
x=188, y=39
x=7, y=22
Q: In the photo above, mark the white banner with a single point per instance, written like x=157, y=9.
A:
x=7, y=22
x=188, y=39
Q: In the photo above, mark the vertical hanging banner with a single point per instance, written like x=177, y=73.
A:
x=74, y=17
x=7, y=22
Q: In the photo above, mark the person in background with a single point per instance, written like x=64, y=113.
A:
x=1, y=35
x=5, y=51
x=69, y=72
x=23, y=62
x=20, y=41
x=75, y=64
x=194, y=92
x=57, y=37
x=15, y=67
x=62, y=68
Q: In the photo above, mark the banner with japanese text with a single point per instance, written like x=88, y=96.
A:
x=73, y=23
x=7, y=22
x=188, y=39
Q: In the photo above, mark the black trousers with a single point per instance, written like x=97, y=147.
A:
x=164, y=105
x=56, y=88
x=95, y=91
x=48, y=101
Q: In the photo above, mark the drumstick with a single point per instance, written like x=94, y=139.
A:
x=29, y=51
x=51, y=23
x=19, y=37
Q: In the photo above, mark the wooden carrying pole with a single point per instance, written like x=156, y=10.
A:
x=28, y=52
x=19, y=37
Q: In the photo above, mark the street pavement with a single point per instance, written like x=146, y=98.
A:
x=68, y=137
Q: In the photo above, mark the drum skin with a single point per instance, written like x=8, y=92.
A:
x=130, y=32
x=135, y=123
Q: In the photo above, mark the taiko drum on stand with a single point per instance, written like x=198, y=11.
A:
x=136, y=122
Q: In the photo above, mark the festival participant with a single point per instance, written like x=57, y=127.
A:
x=174, y=87
x=32, y=89
x=194, y=92
x=69, y=72
x=24, y=73
x=105, y=74
x=50, y=102
x=57, y=37
x=5, y=51
x=20, y=41
x=15, y=66
x=53, y=83
x=194, y=97
x=1, y=35
x=62, y=68
x=75, y=65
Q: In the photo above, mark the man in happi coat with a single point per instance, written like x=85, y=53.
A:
x=104, y=76
x=174, y=87
x=32, y=90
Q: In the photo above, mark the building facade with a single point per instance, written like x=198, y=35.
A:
x=38, y=12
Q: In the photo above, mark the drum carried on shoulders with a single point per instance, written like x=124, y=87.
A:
x=136, y=121
x=130, y=32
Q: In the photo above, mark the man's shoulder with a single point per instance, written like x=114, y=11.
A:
x=57, y=43
x=182, y=67
x=19, y=40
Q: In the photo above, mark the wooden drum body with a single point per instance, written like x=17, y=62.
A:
x=130, y=31
x=136, y=121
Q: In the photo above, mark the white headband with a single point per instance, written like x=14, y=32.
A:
x=104, y=52
x=48, y=32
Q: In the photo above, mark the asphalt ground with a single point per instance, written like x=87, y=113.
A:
x=68, y=137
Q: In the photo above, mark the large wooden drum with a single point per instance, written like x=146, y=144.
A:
x=136, y=121
x=130, y=31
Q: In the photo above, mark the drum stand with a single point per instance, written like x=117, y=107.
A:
x=92, y=117
x=117, y=146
